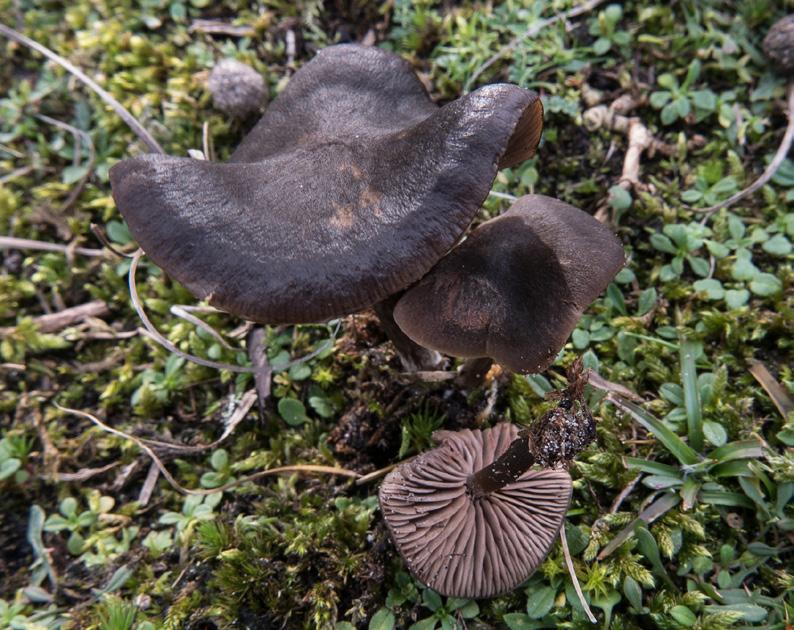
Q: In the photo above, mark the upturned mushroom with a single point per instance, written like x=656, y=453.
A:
x=466, y=545
x=514, y=290
x=470, y=518
x=349, y=189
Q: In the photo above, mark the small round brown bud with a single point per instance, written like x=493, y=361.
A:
x=779, y=45
x=237, y=89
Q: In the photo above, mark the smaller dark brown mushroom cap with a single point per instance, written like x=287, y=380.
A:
x=466, y=547
x=514, y=290
x=779, y=45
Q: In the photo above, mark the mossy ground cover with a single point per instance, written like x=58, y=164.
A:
x=703, y=455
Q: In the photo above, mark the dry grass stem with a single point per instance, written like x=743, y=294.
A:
x=296, y=469
x=117, y=107
x=572, y=571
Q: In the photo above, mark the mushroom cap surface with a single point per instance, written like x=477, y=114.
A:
x=515, y=288
x=464, y=547
x=779, y=44
x=351, y=187
x=237, y=89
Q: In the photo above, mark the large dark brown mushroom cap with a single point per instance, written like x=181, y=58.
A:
x=350, y=188
x=514, y=290
x=464, y=547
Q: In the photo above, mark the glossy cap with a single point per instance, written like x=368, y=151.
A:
x=465, y=547
x=515, y=288
x=350, y=188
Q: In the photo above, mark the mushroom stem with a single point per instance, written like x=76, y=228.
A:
x=471, y=374
x=555, y=438
x=413, y=356
x=516, y=460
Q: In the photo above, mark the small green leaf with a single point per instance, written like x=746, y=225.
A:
x=778, y=245
x=711, y=287
x=691, y=196
x=601, y=46
x=765, y=284
x=382, y=620
x=743, y=268
x=519, y=621
x=704, y=99
x=619, y=198
x=219, y=459
x=633, y=592
x=718, y=250
x=683, y=615
x=736, y=298
x=736, y=227
x=663, y=244
x=540, y=602
x=680, y=449
x=9, y=467
x=431, y=599
x=580, y=339
x=714, y=433
x=660, y=482
x=699, y=265
x=649, y=548
x=669, y=113
x=118, y=232
x=646, y=301
x=292, y=411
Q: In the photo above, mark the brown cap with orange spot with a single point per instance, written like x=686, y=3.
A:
x=349, y=189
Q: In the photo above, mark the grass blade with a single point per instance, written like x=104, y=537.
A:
x=689, y=381
x=658, y=508
x=680, y=449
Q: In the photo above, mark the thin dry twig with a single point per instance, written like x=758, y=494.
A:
x=149, y=484
x=599, y=382
x=779, y=396
x=100, y=234
x=299, y=468
x=623, y=494
x=117, y=107
x=242, y=409
x=23, y=170
x=84, y=474
x=12, y=242
x=572, y=571
x=533, y=30
x=376, y=474
x=264, y=372
x=150, y=331
x=217, y=27
x=774, y=165
x=180, y=311
x=60, y=320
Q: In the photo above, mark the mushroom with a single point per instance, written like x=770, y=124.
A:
x=463, y=543
x=237, y=89
x=469, y=517
x=349, y=189
x=515, y=288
